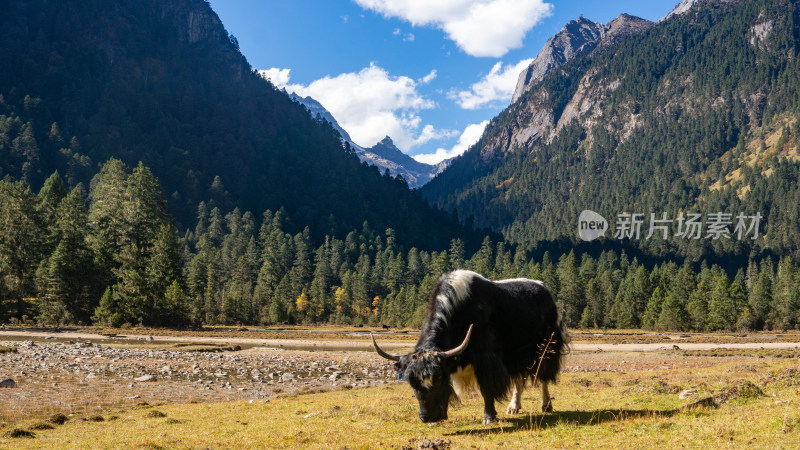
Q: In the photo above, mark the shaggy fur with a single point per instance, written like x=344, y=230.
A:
x=517, y=334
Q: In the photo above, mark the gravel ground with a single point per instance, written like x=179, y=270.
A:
x=60, y=377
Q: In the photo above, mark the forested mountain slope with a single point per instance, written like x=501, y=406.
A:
x=698, y=113
x=163, y=83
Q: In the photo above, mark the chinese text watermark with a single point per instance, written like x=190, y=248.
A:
x=714, y=226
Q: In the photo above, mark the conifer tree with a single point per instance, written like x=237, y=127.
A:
x=20, y=242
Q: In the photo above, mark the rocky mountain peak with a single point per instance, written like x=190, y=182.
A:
x=383, y=155
x=682, y=7
x=577, y=37
x=623, y=26
x=573, y=39
x=387, y=142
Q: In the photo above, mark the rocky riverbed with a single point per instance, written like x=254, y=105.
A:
x=55, y=377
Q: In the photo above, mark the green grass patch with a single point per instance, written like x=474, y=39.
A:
x=747, y=352
x=205, y=347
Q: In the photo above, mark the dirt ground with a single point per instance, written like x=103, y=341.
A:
x=82, y=371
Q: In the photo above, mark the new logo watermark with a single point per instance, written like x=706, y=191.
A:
x=714, y=226
x=591, y=225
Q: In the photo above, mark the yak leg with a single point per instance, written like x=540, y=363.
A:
x=493, y=378
x=489, y=413
x=547, y=404
x=516, y=398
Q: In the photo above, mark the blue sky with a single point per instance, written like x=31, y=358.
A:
x=428, y=73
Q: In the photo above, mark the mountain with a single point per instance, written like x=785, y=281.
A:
x=533, y=118
x=681, y=8
x=577, y=37
x=163, y=82
x=699, y=113
x=384, y=155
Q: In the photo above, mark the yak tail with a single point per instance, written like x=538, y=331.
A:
x=565, y=338
x=551, y=354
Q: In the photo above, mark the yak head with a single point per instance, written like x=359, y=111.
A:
x=427, y=373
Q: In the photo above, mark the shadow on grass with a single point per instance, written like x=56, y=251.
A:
x=578, y=418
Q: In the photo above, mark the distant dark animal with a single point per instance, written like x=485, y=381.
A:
x=486, y=336
x=386, y=327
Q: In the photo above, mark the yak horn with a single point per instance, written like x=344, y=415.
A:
x=381, y=352
x=458, y=350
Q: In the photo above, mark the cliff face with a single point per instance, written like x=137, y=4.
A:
x=576, y=37
x=540, y=116
x=197, y=24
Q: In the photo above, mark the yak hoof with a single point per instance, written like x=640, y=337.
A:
x=512, y=409
x=548, y=407
x=489, y=420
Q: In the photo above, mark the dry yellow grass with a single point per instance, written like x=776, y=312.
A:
x=596, y=409
x=755, y=156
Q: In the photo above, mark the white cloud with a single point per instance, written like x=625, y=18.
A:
x=429, y=77
x=478, y=27
x=371, y=104
x=497, y=86
x=408, y=37
x=279, y=77
x=469, y=137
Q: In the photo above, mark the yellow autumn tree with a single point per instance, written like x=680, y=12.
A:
x=339, y=299
x=302, y=302
x=376, y=305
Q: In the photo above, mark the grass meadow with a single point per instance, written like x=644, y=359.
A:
x=745, y=402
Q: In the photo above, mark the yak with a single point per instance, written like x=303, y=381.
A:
x=485, y=336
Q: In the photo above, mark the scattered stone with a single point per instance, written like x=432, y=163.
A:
x=145, y=378
x=436, y=444
x=686, y=393
x=707, y=402
x=8, y=383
